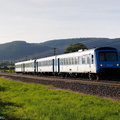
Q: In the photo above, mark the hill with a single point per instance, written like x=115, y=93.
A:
x=21, y=50
x=89, y=42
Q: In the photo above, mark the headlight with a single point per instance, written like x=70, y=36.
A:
x=101, y=65
x=116, y=65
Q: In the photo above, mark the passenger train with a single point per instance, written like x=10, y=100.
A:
x=95, y=63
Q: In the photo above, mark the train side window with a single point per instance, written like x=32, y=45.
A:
x=80, y=60
x=18, y=66
x=83, y=59
x=72, y=60
x=76, y=60
x=32, y=64
x=66, y=61
x=51, y=62
x=61, y=61
x=48, y=62
x=43, y=63
x=88, y=59
x=39, y=63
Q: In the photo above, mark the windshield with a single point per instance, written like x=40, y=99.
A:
x=108, y=56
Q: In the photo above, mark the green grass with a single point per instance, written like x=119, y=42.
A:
x=28, y=101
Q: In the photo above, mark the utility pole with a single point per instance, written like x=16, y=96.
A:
x=26, y=57
x=54, y=51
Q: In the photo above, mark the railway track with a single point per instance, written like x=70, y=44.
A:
x=104, y=88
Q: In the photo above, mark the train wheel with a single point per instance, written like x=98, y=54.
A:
x=97, y=77
x=62, y=75
x=91, y=76
x=94, y=76
x=72, y=75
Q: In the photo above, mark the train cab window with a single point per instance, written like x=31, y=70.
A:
x=108, y=56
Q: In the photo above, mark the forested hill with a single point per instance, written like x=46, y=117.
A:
x=22, y=50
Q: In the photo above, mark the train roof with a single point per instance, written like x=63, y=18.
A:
x=106, y=48
x=88, y=50
x=72, y=53
x=24, y=62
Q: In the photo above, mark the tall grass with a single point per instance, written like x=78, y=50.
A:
x=28, y=101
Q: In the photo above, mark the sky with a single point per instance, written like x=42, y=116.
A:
x=36, y=21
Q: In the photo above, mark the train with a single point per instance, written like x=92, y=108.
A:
x=94, y=63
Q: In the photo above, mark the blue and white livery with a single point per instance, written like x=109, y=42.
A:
x=94, y=63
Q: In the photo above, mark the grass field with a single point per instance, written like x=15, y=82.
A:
x=28, y=101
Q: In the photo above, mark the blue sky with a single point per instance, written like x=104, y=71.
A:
x=37, y=21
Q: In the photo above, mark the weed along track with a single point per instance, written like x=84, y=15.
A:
x=103, y=89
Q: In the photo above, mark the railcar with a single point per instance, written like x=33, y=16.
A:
x=77, y=63
x=28, y=67
x=95, y=63
x=19, y=67
x=45, y=65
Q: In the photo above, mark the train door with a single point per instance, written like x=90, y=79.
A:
x=23, y=67
x=58, y=65
x=35, y=66
x=90, y=61
x=53, y=65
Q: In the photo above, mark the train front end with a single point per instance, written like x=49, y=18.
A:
x=107, y=62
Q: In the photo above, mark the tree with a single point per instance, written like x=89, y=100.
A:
x=75, y=47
